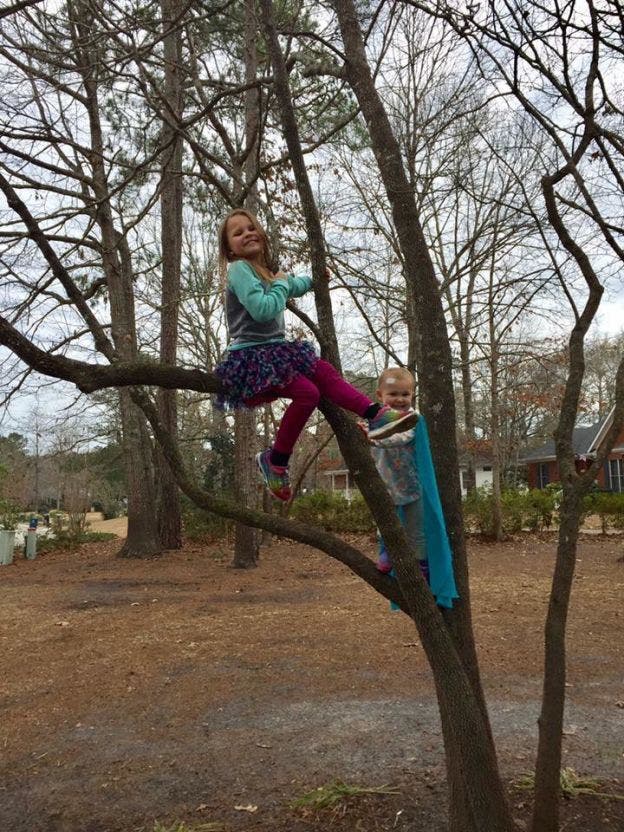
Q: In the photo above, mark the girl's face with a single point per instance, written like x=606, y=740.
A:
x=396, y=392
x=244, y=240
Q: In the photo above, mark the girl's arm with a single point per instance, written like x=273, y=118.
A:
x=298, y=286
x=263, y=305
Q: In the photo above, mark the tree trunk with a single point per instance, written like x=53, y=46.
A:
x=246, y=538
x=469, y=417
x=477, y=796
x=142, y=537
x=168, y=498
x=246, y=487
x=141, y=541
x=550, y=722
x=268, y=503
x=470, y=808
x=497, y=502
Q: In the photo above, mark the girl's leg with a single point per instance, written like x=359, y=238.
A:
x=383, y=421
x=333, y=387
x=413, y=521
x=263, y=398
x=305, y=397
x=273, y=463
x=384, y=562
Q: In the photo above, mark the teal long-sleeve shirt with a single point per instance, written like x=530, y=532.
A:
x=255, y=307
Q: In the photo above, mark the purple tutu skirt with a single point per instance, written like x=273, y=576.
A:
x=252, y=371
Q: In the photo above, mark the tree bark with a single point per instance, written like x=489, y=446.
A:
x=468, y=401
x=246, y=488
x=247, y=538
x=550, y=722
x=168, y=499
x=141, y=540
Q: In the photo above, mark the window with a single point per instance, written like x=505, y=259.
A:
x=542, y=475
x=616, y=474
x=467, y=481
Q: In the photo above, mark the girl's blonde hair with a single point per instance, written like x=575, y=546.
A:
x=224, y=253
x=395, y=372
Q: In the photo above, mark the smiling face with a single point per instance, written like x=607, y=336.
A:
x=244, y=239
x=397, y=392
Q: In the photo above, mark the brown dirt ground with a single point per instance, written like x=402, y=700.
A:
x=178, y=688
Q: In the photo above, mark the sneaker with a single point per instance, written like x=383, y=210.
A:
x=275, y=477
x=384, y=564
x=388, y=422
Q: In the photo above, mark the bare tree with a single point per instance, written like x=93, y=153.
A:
x=477, y=800
x=568, y=54
x=171, y=199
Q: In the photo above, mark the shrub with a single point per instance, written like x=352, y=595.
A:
x=513, y=509
x=332, y=511
x=203, y=526
x=9, y=515
x=608, y=506
x=540, y=507
x=533, y=509
x=479, y=512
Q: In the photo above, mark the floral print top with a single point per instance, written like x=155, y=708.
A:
x=395, y=459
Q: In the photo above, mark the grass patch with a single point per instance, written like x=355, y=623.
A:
x=64, y=541
x=571, y=785
x=330, y=795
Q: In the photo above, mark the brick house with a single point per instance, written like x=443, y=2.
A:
x=542, y=465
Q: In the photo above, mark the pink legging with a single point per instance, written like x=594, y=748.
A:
x=305, y=394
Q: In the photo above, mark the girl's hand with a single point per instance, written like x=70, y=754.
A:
x=280, y=275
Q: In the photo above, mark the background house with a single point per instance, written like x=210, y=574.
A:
x=482, y=475
x=542, y=467
x=336, y=477
x=339, y=479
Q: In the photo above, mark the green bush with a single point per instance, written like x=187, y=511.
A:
x=479, y=512
x=533, y=509
x=608, y=506
x=332, y=511
x=540, y=508
x=203, y=526
x=9, y=515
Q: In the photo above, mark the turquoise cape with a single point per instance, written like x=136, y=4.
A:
x=437, y=546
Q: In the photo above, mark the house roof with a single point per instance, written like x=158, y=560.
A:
x=583, y=441
x=480, y=461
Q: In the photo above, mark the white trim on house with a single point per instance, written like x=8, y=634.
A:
x=604, y=427
x=483, y=476
x=341, y=472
